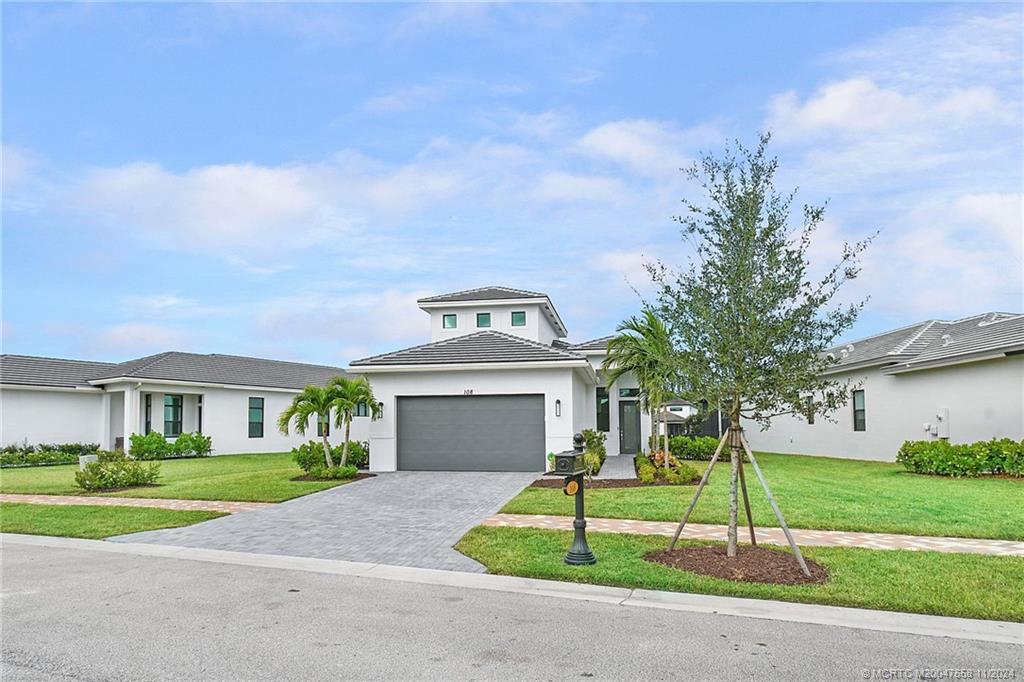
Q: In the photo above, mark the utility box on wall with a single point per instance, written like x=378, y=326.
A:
x=941, y=426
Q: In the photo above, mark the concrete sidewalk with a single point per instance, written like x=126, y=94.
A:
x=770, y=536
x=153, y=503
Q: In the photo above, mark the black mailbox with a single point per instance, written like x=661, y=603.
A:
x=570, y=462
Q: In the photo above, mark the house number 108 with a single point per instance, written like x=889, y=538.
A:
x=467, y=391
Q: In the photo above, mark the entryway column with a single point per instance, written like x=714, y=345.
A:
x=131, y=413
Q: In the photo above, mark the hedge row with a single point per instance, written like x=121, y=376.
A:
x=45, y=453
x=940, y=457
x=693, y=448
x=153, y=445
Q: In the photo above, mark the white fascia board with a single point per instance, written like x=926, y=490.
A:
x=945, y=362
x=465, y=366
x=198, y=384
x=539, y=300
x=63, y=389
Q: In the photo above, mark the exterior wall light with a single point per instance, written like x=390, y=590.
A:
x=558, y=408
x=380, y=408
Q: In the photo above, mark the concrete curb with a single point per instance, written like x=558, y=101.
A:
x=863, y=619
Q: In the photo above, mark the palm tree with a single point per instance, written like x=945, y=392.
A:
x=314, y=400
x=350, y=393
x=643, y=347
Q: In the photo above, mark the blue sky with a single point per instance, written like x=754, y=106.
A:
x=284, y=180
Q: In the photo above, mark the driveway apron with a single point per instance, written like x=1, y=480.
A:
x=403, y=518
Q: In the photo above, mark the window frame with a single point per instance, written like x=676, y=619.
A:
x=809, y=409
x=362, y=410
x=862, y=424
x=629, y=393
x=604, y=414
x=149, y=413
x=483, y=315
x=513, y=318
x=449, y=316
x=262, y=411
x=176, y=405
x=323, y=426
x=199, y=413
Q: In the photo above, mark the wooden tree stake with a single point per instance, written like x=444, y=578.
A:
x=700, y=487
x=775, y=507
x=746, y=503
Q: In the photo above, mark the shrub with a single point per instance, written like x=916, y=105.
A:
x=693, y=448
x=645, y=470
x=650, y=469
x=44, y=453
x=150, y=445
x=358, y=454
x=153, y=445
x=115, y=470
x=333, y=473
x=943, y=458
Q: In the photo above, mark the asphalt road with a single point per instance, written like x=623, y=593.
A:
x=80, y=614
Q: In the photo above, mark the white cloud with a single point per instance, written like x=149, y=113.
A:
x=567, y=187
x=1001, y=214
x=627, y=265
x=156, y=302
x=405, y=99
x=543, y=125
x=136, y=338
x=651, y=148
x=17, y=163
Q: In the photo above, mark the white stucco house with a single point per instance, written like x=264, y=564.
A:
x=234, y=400
x=962, y=380
x=496, y=389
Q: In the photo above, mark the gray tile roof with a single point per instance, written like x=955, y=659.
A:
x=486, y=346
x=491, y=293
x=593, y=344
x=222, y=369
x=171, y=366
x=27, y=370
x=934, y=342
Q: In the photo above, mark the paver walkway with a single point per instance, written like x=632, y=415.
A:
x=178, y=505
x=617, y=467
x=770, y=536
x=406, y=518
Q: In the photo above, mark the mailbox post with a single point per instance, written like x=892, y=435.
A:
x=570, y=465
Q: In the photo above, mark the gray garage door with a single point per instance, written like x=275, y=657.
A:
x=471, y=433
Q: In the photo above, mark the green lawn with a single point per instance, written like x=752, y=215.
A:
x=819, y=492
x=965, y=585
x=95, y=522
x=243, y=478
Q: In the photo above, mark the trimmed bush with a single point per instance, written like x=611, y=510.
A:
x=311, y=455
x=153, y=445
x=677, y=473
x=594, y=450
x=358, y=454
x=45, y=453
x=115, y=470
x=942, y=458
x=693, y=448
x=333, y=473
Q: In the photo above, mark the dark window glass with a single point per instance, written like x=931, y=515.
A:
x=519, y=318
x=603, y=423
x=483, y=319
x=149, y=412
x=199, y=414
x=255, y=417
x=859, y=421
x=362, y=410
x=629, y=392
x=172, y=416
x=809, y=410
x=323, y=426
x=449, y=321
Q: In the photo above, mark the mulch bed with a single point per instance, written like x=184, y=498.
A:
x=556, y=482
x=750, y=565
x=358, y=477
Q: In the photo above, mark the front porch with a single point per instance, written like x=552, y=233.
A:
x=138, y=408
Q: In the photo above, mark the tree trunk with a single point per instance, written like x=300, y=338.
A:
x=327, y=449
x=344, y=448
x=734, y=451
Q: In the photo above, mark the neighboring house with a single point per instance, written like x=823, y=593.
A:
x=673, y=415
x=496, y=389
x=234, y=400
x=961, y=380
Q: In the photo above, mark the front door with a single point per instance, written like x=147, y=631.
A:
x=629, y=427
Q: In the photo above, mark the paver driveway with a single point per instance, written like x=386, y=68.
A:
x=405, y=518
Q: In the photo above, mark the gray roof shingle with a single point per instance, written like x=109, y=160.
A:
x=485, y=347
x=215, y=368
x=593, y=344
x=934, y=341
x=28, y=370
x=491, y=293
x=170, y=366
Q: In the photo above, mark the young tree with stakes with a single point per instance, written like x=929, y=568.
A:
x=751, y=325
